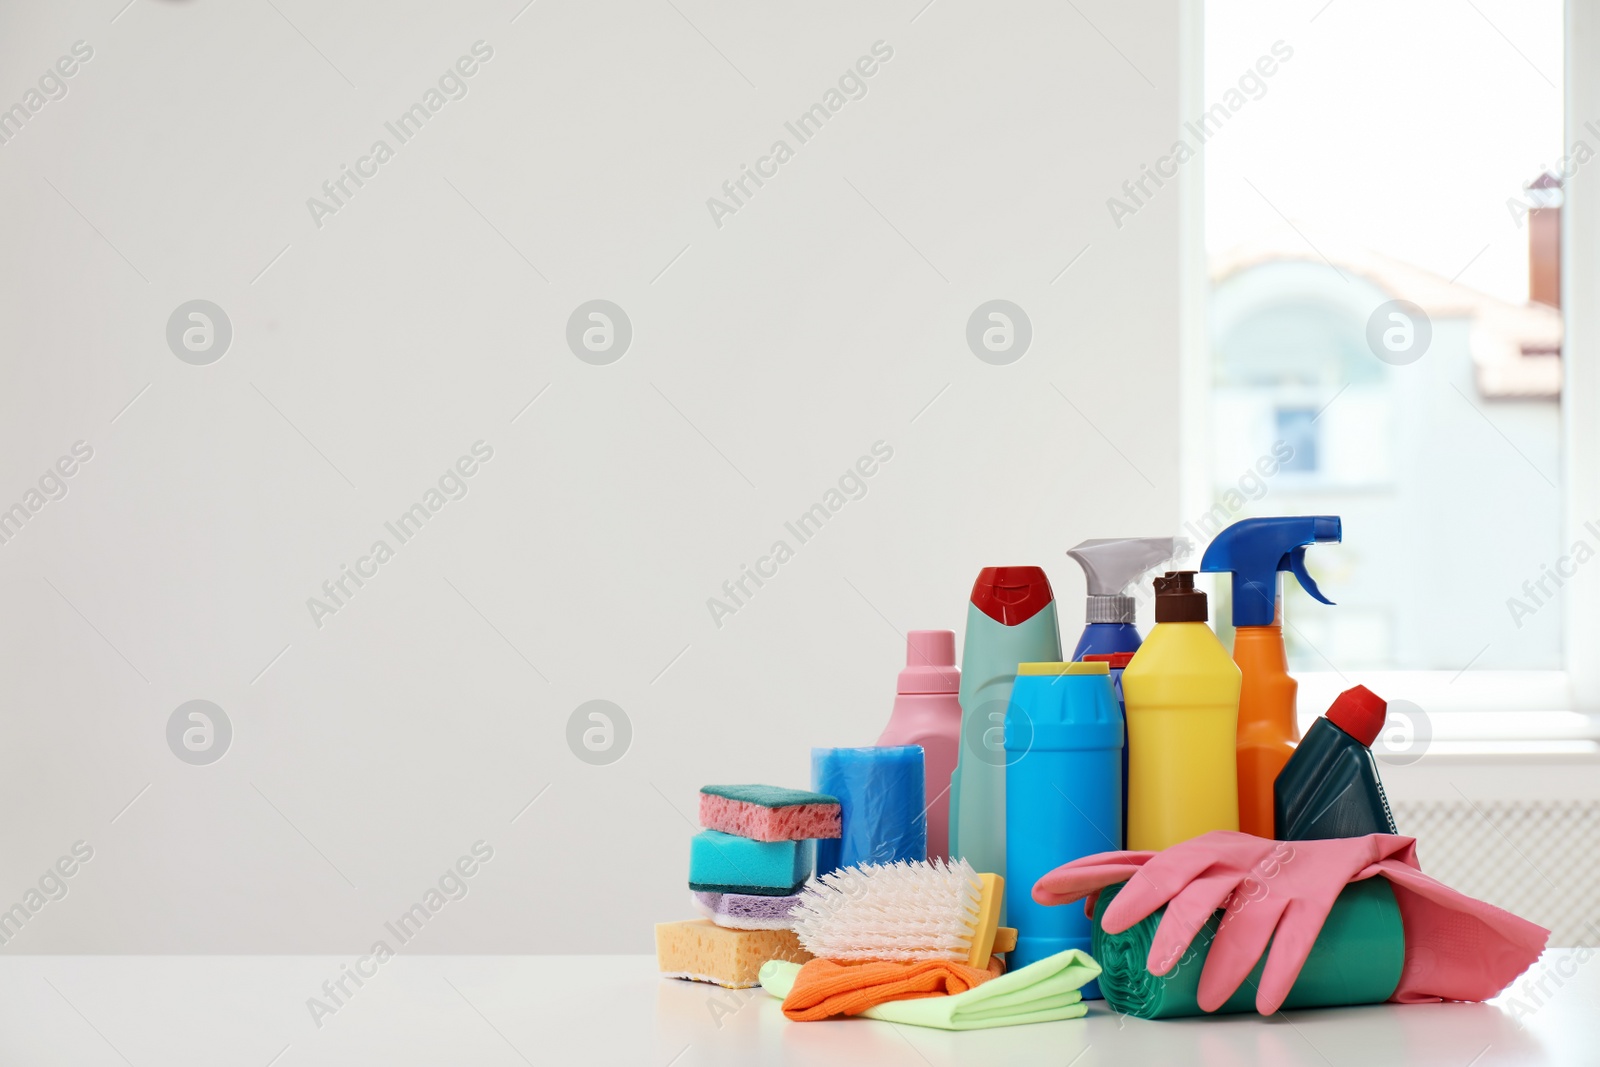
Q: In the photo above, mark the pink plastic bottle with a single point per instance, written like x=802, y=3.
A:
x=927, y=712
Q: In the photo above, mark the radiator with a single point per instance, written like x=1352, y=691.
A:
x=1536, y=859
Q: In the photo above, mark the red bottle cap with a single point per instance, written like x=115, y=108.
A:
x=930, y=663
x=1360, y=713
x=1117, y=660
x=1011, y=595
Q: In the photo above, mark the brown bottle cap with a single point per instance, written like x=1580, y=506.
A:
x=1177, y=600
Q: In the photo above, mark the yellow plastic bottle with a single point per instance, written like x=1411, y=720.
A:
x=1182, y=696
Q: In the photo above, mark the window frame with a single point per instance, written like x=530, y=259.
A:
x=1580, y=387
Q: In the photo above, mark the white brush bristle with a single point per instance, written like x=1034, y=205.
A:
x=891, y=911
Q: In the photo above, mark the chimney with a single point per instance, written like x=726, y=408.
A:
x=1544, y=240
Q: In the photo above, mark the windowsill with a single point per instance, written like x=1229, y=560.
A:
x=1470, y=715
x=1552, y=751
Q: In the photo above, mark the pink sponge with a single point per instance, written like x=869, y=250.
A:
x=768, y=812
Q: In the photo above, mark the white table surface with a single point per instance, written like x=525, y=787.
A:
x=511, y=1010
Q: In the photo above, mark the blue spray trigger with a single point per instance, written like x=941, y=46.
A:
x=1256, y=550
x=1295, y=563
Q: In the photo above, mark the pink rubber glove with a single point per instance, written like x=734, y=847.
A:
x=1083, y=879
x=1281, y=891
x=1457, y=948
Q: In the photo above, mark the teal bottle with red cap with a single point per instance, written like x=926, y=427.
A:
x=1330, y=786
x=1011, y=619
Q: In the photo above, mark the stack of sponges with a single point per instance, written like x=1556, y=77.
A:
x=746, y=869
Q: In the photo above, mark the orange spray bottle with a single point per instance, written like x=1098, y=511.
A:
x=1257, y=551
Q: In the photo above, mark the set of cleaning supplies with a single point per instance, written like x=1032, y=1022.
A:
x=1257, y=552
x=927, y=713
x=1182, y=696
x=1330, y=786
x=1266, y=908
x=1032, y=776
x=881, y=800
x=746, y=868
x=1011, y=619
x=1064, y=745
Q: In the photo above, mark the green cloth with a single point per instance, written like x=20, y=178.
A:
x=768, y=796
x=1041, y=992
x=1356, y=959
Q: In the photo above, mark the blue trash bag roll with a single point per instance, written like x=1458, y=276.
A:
x=881, y=800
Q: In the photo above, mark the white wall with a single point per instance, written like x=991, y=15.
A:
x=767, y=356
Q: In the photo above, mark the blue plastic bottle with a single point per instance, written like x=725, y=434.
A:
x=1116, y=661
x=1063, y=739
x=1105, y=638
x=1110, y=565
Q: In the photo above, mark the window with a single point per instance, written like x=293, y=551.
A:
x=1297, y=429
x=1382, y=218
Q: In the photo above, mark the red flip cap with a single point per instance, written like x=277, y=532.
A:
x=1011, y=595
x=1360, y=713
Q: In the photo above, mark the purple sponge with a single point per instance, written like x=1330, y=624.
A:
x=744, y=911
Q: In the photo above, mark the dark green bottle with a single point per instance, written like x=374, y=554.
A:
x=1330, y=786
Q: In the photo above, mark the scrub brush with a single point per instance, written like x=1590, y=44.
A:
x=929, y=910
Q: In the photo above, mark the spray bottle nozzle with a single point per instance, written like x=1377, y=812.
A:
x=1111, y=564
x=1255, y=550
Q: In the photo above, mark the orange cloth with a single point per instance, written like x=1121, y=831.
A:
x=830, y=987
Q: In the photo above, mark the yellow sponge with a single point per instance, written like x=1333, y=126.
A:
x=705, y=952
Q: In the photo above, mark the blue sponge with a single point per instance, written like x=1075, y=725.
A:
x=723, y=863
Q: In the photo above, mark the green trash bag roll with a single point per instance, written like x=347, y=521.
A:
x=1356, y=960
